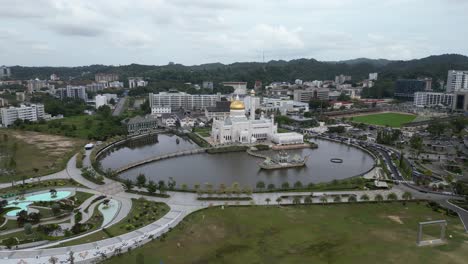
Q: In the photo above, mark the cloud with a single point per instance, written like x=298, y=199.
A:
x=194, y=32
x=133, y=39
x=77, y=30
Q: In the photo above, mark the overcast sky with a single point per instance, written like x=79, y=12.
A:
x=73, y=32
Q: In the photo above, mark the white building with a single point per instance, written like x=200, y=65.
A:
x=54, y=77
x=134, y=82
x=429, y=99
x=283, y=105
x=322, y=128
x=101, y=100
x=76, y=92
x=116, y=84
x=457, y=81
x=96, y=86
x=237, y=128
x=159, y=110
x=373, y=76
x=207, y=85
x=36, y=85
x=240, y=88
x=31, y=113
x=178, y=100
x=5, y=72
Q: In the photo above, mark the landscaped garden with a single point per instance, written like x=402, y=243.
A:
x=351, y=233
x=38, y=217
x=203, y=131
x=143, y=213
x=384, y=119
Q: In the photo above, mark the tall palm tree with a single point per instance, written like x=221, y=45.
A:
x=378, y=198
x=308, y=200
x=278, y=200
x=392, y=197
x=296, y=200
x=268, y=200
x=324, y=199
x=364, y=197
x=337, y=199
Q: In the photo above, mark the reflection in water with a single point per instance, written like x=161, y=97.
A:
x=239, y=167
x=140, y=149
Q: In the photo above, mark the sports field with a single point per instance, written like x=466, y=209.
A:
x=384, y=119
x=343, y=233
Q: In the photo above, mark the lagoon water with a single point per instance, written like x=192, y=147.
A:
x=238, y=167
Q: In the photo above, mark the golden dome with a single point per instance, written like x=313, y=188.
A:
x=237, y=105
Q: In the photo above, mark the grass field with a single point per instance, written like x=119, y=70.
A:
x=351, y=233
x=30, y=154
x=384, y=119
x=83, y=126
x=203, y=131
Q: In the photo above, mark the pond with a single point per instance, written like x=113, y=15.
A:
x=240, y=167
x=29, y=199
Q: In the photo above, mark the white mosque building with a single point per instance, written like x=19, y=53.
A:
x=238, y=128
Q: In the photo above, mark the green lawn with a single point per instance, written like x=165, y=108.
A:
x=384, y=119
x=283, y=130
x=203, y=131
x=29, y=154
x=348, y=233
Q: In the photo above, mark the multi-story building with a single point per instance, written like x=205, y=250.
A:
x=282, y=105
x=36, y=85
x=306, y=95
x=220, y=111
x=460, y=101
x=134, y=82
x=31, y=113
x=159, y=110
x=76, y=92
x=405, y=88
x=5, y=72
x=54, y=77
x=116, y=84
x=178, y=100
x=373, y=76
x=100, y=100
x=340, y=79
x=428, y=99
x=141, y=124
x=207, y=85
x=457, y=81
x=96, y=86
x=106, y=77
x=258, y=85
x=239, y=87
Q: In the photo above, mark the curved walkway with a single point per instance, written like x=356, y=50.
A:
x=180, y=203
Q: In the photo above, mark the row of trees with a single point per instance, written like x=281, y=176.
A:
x=338, y=199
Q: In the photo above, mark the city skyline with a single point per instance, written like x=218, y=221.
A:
x=72, y=33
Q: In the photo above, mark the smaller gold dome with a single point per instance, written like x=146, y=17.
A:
x=237, y=105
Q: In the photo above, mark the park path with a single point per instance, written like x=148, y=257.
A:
x=181, y=204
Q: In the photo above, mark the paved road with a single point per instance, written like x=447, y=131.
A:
x=119, y=107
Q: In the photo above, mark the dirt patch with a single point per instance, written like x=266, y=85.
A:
x=44, y=141
x=395, y=219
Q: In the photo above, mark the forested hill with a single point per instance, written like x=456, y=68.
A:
x=305, y=69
